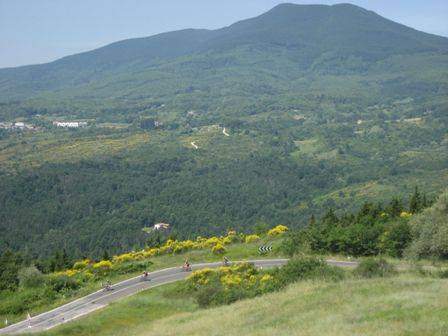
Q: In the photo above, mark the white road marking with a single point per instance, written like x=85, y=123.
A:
x=88, y=303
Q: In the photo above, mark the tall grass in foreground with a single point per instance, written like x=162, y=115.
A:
x=403, y=305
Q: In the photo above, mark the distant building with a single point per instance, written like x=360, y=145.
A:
x=70, y=124
x=161, y=226
x=6, y=125
x=19, y=124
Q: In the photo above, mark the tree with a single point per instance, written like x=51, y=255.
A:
x=395, y=239
x=106, y=255
x=430, y=231
x=415, y=204
x=9, y=267
x=30, y=277
x=395, y=207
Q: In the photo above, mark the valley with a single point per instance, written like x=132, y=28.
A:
x=285, y=174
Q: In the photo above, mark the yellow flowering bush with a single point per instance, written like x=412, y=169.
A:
x=102, y=267
x=212, y=241
x=226, y=240
x=278, y=230
x=230, y=280
x=218, y=249
x=148, y=253
x=200, y=277
x=123, y=258
x=82, y=264
x=251, y=238
x=405, y=214
x=69, y=272
x=266, y=278
x=224, y=285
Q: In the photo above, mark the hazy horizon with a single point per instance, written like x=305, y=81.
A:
x=41, y=32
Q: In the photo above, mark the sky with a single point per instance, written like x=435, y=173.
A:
x=39, y=31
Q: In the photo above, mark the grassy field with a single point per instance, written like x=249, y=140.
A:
x=129, y=316
x=404, y=305
x=35, y=149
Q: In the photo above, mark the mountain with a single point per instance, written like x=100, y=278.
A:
x=308, y=37
x=323, y=107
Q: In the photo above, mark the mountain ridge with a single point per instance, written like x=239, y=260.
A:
x=306, y=32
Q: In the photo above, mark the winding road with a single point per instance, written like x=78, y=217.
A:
x=101, y=298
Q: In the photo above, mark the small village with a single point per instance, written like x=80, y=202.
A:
x=25, y=126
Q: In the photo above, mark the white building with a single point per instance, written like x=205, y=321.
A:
x=161, y=226
x=70, y=124
x=19, y=124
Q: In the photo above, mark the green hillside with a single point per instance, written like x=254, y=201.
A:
x=324, y=106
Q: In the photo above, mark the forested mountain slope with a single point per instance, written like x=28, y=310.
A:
x=324, y=106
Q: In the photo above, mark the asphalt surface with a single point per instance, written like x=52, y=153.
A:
x=102, y=298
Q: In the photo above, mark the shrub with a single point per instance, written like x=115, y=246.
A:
x=30, y=277
x=227, y=240
x=278, y=230
x=19, y=302
x=304, y=267
x=443, y=274
x=372, y=267
x=395, y=239
x=200, y=277
x=62, y=282
x=123, y=258
x=82, y=264
x=405, y=214
x=103, y=267
x=227, y=284
x=430, y=231
x=295, y=242
x=219, y=249
x=69, y=272
x=123, y=268
x=211, y=242
x=252, y=238
x=209, y=295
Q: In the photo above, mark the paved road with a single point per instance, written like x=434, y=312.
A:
x=101, y=298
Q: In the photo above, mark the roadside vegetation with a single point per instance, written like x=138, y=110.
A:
x=31, y=287
x=306, y=295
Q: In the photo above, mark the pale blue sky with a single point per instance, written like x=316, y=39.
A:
x=37, y=31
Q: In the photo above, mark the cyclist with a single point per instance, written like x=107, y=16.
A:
x=187, y=266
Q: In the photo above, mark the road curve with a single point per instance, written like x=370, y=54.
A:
x=101, y=298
